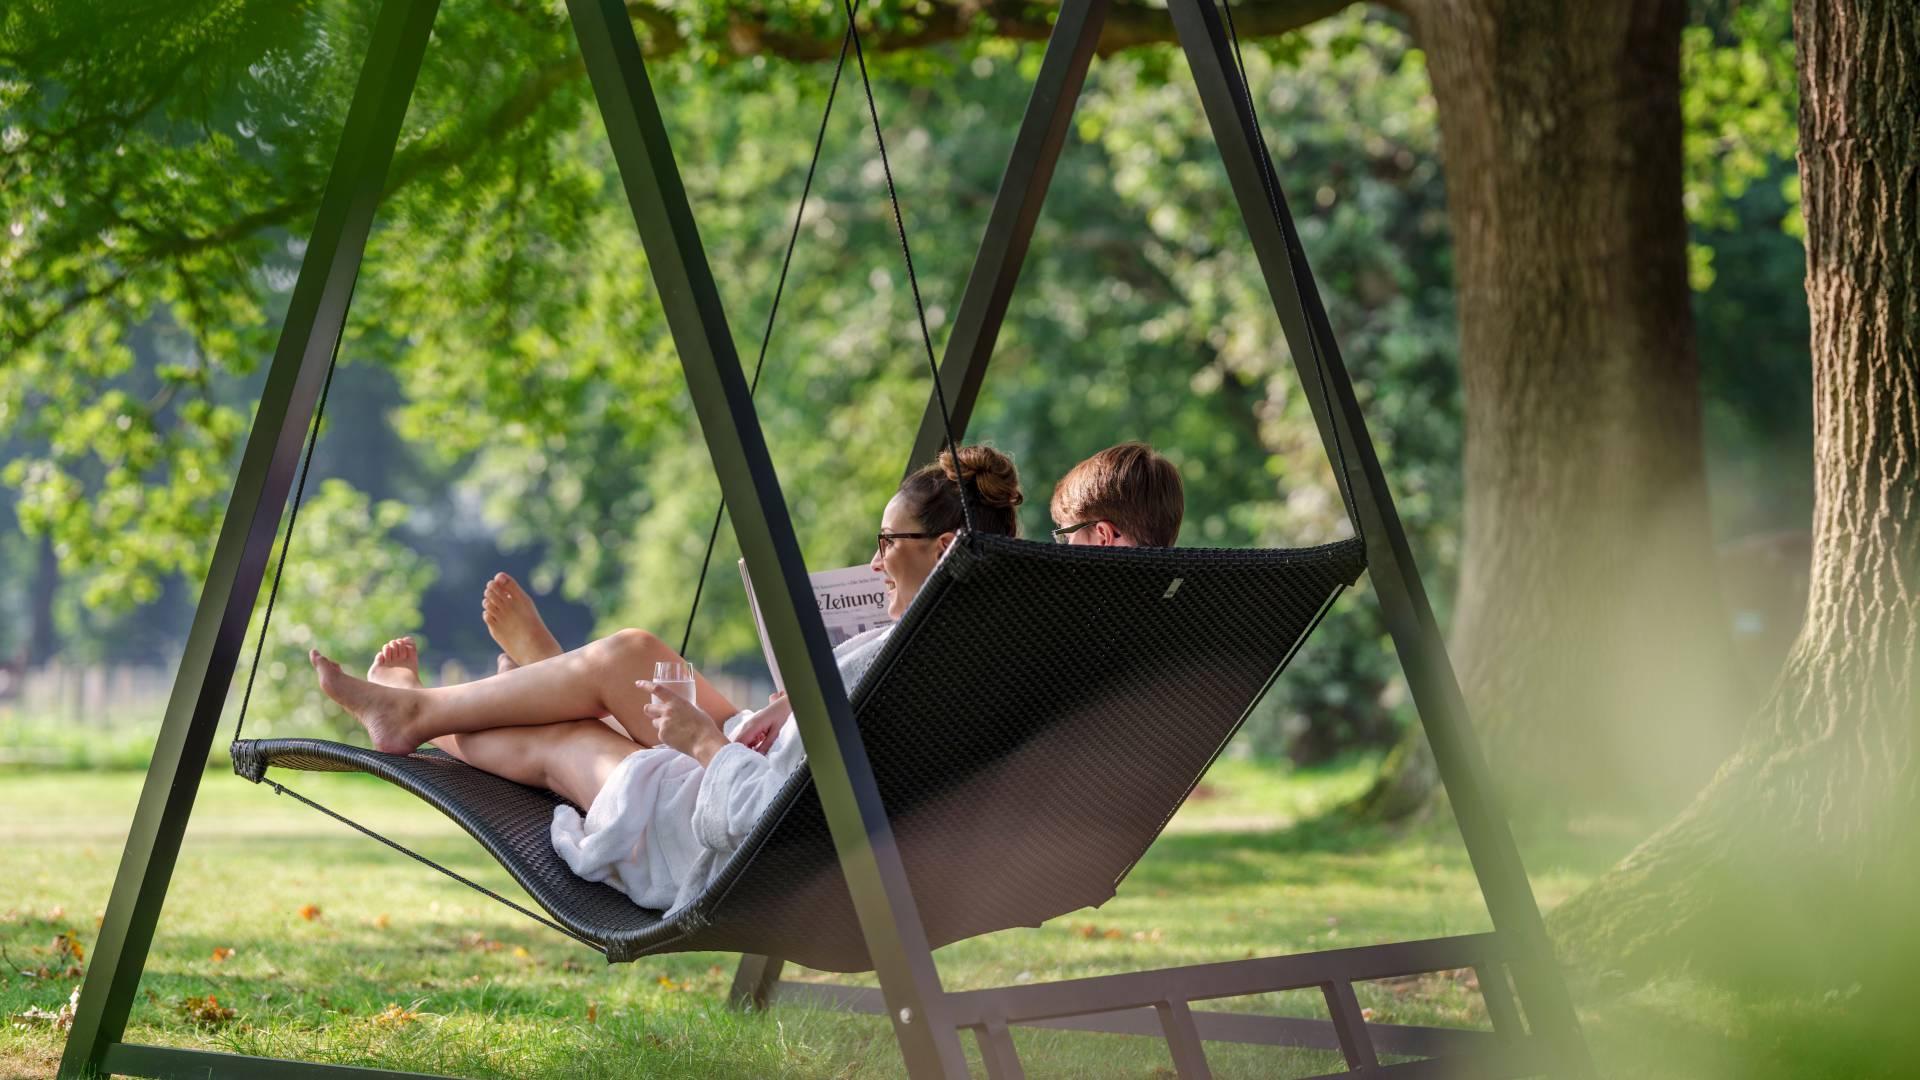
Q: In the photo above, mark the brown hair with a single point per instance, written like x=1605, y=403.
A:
x=933, y=492
x=1130, y=485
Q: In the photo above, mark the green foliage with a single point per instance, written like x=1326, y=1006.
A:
x=1350, y=120
x=159, y=179
x=349, y=586
x=1739, y=100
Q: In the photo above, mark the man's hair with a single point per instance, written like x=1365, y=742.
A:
x=1130, y=485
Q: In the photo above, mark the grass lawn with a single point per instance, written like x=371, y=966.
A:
x=343, y=951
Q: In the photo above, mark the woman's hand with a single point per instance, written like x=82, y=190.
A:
x=760, y=729
x=681, y=725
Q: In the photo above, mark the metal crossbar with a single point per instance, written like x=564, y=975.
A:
x=1158, y=1004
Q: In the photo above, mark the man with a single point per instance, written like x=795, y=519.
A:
x=1124, y=496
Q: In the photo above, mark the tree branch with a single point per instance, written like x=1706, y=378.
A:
x=1131, y=23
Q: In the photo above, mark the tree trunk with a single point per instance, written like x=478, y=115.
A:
x=43, y=636
x=1804, y=844
x=1589, y=634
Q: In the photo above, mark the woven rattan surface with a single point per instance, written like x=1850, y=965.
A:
x=1032, y=724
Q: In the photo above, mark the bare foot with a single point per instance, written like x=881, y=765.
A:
x=397, y=664
x=504, y=664
x=388, y=713
x=515, y=622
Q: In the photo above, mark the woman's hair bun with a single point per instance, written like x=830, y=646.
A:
x=995, y=479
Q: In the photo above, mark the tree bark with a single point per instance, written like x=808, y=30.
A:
x=1800, y=857
x=1589, y=634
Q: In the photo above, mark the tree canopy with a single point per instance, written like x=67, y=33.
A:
x=506, y=357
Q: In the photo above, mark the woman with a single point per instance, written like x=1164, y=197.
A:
x=660, y=820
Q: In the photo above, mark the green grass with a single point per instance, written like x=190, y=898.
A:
x=403, y=969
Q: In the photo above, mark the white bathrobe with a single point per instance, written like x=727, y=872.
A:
x=663, y=827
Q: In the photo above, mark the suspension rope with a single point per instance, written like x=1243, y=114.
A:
x=299, y=488
x=1271, y=184
x=766, y=335
x=280, y=789
x=913, y=280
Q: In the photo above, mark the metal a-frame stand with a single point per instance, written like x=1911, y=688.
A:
x=926, y=1019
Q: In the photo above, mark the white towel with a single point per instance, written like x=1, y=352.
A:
x=662, y=827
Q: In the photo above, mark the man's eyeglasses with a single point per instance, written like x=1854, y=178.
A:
x=1060, y=535
x=885, y=540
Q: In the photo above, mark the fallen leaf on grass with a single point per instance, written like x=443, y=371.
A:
x=309, y=912
x=221, y=954
x=204, y=1011
x=480, y=943
x=1091, y=932
x=395, y=1015
x=382, y=921
x=61, y=1019
x=593, y=1012
x=1366, y=1014
x=66, y=946
x=668, y=984
x=520, y=952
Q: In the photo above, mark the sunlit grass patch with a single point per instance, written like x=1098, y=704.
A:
x=328, y=947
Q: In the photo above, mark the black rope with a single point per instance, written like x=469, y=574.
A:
x=299, y=489
x=766, y=335
x=1271, y=184
x=410, y=853
x=913, y=280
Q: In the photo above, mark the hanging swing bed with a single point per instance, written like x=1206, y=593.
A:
x=937, y=803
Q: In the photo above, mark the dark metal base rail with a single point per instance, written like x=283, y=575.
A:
x=176, y=1063
x=1405, y=1040
x=1156, y=1004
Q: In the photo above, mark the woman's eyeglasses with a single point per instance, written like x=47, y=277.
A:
x=885, y=540
x=1060, y=535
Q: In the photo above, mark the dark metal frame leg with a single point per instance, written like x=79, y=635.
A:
x=997, y=1051
x=1396, y=579
x=1183, y=1040
x=1351, y=1025
x=315, y=316
x=842, y=775
x=755, y=981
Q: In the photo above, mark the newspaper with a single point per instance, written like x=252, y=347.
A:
x=852, y=599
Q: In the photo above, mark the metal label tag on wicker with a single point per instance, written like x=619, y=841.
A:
x=1171, y=589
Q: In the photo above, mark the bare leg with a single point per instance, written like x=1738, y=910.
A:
x=595, y=680
x=571, y=759
x=515, y=622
